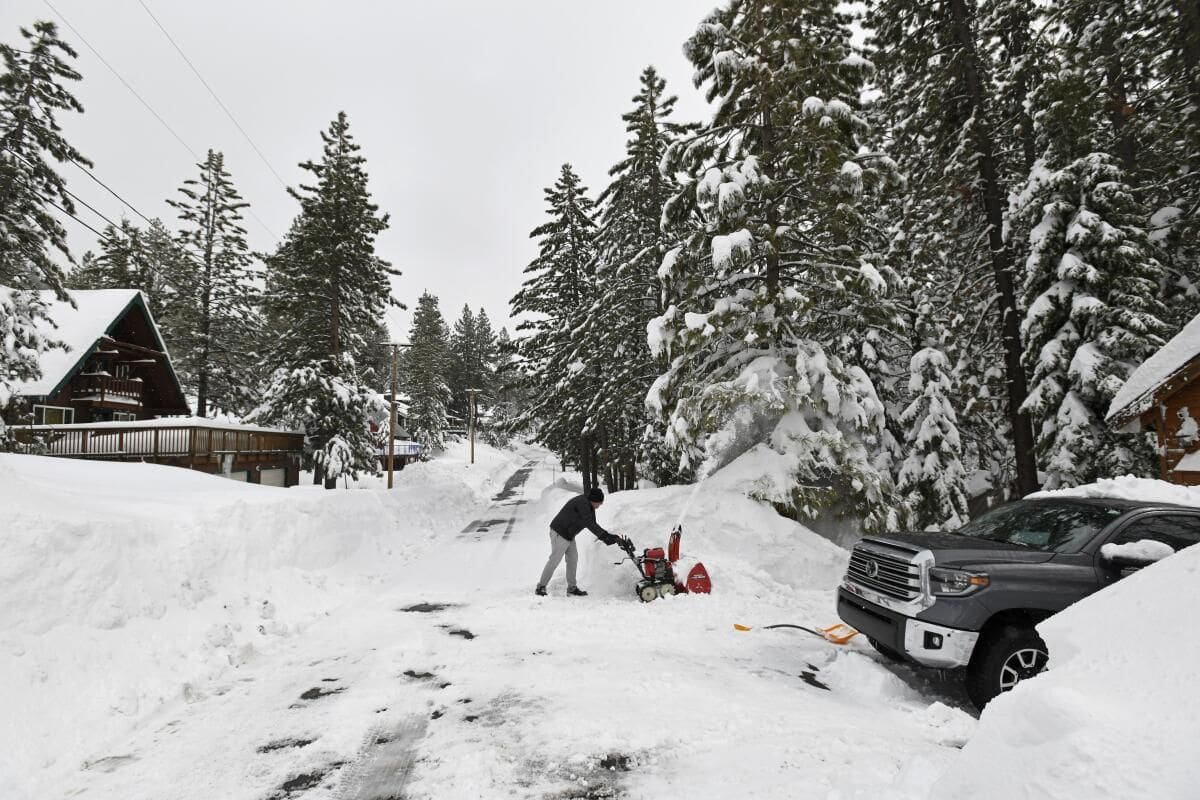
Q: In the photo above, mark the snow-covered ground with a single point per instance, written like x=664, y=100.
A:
x=170, y=634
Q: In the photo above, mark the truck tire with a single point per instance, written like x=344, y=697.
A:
x=885, y=651
x=1002, y=660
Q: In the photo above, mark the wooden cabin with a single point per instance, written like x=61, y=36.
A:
x=111, y=393
x=1163, y=395
x=114, y=366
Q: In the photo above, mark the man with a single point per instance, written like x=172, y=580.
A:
x=577, y=514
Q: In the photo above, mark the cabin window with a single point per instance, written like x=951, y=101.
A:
x=53, y=415
x=123, y=416
x=122, y=370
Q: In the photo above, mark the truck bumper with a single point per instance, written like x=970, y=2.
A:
x=923, y=642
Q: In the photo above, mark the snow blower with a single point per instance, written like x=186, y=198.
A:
x=657, y=569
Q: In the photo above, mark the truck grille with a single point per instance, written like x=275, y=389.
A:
x=887, y=574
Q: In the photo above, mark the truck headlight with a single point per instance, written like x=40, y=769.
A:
x=945, y=581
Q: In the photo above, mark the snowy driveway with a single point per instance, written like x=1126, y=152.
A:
x=451, y=680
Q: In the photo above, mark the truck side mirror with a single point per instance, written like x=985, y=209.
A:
x=1135, y=555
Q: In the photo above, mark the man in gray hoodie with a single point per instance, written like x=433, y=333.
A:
x=578, y=513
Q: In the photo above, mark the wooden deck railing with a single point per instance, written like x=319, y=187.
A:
x=185, y=441
x=102, y=388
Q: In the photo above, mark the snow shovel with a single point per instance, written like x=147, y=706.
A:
x=834, y=634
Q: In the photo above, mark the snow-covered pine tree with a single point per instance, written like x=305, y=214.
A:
x=932, y=478
x=558, y=290
x=464, y=360
x=34, y=89
x=1093, y=316
x=957, y=135
x=772, y=278
x=325, y=400
x=127, y=259
x=327, y=292
x=329, y=283
x=486, y=353
x=630, y=244
x=426, y=367
x=213, y=296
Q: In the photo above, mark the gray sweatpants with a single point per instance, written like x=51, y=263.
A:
x=558, y=548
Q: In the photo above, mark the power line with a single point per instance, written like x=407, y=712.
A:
x=149, y=108
x=224, y=108
x=133, y=91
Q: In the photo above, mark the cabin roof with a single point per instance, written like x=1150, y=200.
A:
x=1139, y=393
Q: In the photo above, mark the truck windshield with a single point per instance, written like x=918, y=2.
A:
x=1059, y=526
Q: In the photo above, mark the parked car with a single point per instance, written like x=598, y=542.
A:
x=971, y=599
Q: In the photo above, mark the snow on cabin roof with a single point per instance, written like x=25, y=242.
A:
x=1137, y=394
x=77, y=327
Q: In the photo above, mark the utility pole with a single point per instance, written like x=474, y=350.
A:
x=473, y=394
x=392, y=417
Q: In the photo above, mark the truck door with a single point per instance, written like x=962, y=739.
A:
x=1178, y=530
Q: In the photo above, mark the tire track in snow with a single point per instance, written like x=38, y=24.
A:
x=385, y=763
x=514, y=485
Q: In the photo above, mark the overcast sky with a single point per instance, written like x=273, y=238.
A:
x=465, y=111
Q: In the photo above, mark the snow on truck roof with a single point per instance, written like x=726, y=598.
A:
x=1137, y=395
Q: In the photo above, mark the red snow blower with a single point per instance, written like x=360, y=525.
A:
x=658, y=571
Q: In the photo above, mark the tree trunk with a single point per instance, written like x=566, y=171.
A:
x=994, y=201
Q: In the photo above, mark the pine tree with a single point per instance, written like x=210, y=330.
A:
x=426, y=367
x=1093, y=316
x=326, y=294
x=325, y=400
x=952, y=122
x=932, y=478
x=630, y=244
x=464, y=360
x=773, y=278
x=558, y=290
x=213, y=292
x=486, y=356
x=328, y=283
x=34, y=89
x=129, y=258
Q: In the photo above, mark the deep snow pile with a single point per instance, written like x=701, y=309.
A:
x=1117, y=715
x=126, y=586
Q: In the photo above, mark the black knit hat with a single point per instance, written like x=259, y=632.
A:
x=595, y=495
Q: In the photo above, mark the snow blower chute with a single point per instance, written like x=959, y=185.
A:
x=658, y=571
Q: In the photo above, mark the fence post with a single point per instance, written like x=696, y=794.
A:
x=156, y=444
x=83, y=442
x=191, y=448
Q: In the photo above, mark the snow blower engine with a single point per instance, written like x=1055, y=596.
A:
x=658, y=571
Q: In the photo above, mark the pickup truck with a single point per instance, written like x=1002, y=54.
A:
x=972, y=599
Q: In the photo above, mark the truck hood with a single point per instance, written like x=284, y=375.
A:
x=962, y=551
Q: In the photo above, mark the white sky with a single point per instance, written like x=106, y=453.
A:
x=465, y=111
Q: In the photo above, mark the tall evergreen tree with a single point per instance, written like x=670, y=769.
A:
x=34, y=90
x=327, y=292
x=130, y=258
x=630, y=245
x=214, y=296
x=1093, y=316
x=464, y=360
x=774, y=278
x=557, y=291
x=426, y=367
x=328, y=282
x=955, y=143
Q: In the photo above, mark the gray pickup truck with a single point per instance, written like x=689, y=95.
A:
x=971, y=599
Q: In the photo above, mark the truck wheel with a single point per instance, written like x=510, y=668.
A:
x=885, y=651
x=1002, y=661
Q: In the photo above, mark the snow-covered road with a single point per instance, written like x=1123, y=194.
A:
x=445, y=677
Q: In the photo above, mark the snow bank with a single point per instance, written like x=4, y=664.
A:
x=1118, y=712
x=125, y=586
